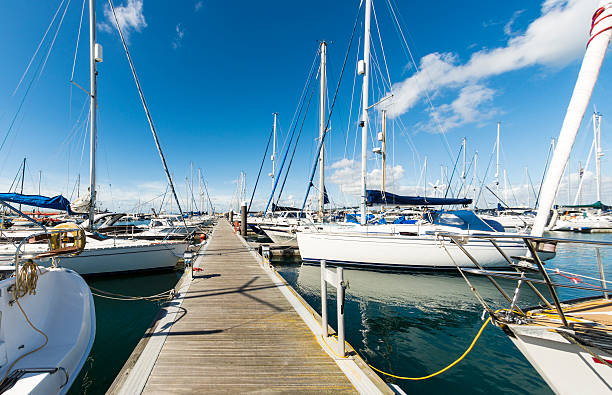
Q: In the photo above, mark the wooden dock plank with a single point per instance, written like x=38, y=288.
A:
x=237, y=332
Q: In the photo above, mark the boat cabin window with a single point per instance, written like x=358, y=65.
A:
x=450, y=219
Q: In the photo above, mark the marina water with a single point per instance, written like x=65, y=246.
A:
x=404, y=323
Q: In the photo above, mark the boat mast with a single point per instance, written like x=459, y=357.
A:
x=475, y=178
x=364, y=106
x=384, y=150
x=425, y=177
x=598, y=153
x=497, y=161
x=527, y=185
x=463, y=174
x=587, y=77
x=22, y=177
x=93, y=98
x=323, y=81
x=201, y=205
x=273, y=174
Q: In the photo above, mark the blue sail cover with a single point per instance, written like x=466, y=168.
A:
x=376, y=197
x=56, y=202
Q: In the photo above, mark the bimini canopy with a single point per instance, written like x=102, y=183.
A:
x=56, y=202
x=463, y=219
x=376, y=197
x=597, y=205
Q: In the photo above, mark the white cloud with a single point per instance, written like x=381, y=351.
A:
x=198, y=6
x=178, y=38
x=508, y=26
x=466, y=108
x=554, y=39
x=130, y=17
x=347, y=175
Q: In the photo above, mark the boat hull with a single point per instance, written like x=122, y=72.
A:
x=280, y=235
x=405, y=252
x=565, y=367
x=63, y=309
x=102, y=261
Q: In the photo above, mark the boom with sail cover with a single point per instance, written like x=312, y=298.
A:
x=377, y=197
x=55, y=203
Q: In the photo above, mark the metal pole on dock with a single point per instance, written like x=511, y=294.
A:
x=322, y=115
x=323, y=300
x=243, y=219
x=340, y=308
x=601, y=272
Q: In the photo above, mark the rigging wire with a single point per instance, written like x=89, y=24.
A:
x=331, y=109
x=146, y=108
x=59, y=26
x=295, y=147
x=76, y=49
x=426, y=90
x=348, y=126
x=309, y=81
x=260, y=168
x=38, y=48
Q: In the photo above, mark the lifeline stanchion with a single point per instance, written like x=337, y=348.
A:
x=337, y=280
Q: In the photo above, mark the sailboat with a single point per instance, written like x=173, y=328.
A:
x=106, y=255
x=423, y=245
x=568, y=342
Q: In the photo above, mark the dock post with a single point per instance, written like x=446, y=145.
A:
x=243, y=219
x=323, y=300
x=340, y=307
x=231, y=216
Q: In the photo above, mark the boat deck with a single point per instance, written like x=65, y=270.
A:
x=233, y=329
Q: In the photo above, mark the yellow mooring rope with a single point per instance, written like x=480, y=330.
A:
x=378, y=370
x=441, y=370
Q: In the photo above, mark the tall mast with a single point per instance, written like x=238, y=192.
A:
x=364, y=108
x=273, y=174
x=587, y=77
x=200, y=206
x=323, y=81
x=22, y=177
x=384, y=150
x=425, y=177
x=527, y=185
x=93, y=89
x=497, y=160
x=191, y=195
x=598, y=153
x=475, y=177
x=505, y=187
x=463, y=174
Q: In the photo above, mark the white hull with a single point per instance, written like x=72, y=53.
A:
x=582, y=224
x=125, y=259
x=565, y=367
x=106, y=258
x=63, y=309
x=281, y=235
x=416, y=252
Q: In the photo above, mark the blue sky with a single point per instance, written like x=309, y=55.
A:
x=213, y=73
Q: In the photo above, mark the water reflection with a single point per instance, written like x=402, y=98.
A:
x=413, y=324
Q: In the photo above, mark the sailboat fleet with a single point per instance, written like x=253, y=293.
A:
x=47, y=312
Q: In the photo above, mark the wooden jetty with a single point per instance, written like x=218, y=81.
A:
x=237, y=326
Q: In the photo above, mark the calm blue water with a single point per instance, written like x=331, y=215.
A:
x=413, y=324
